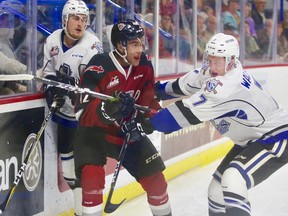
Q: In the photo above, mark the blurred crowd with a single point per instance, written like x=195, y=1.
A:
x=176, y=22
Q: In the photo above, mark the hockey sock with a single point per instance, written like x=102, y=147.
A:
x=235, y=193
x=92, y=182
x=236, y=205
x=216, y=202
x=68, y=167
x=77, y=195
x=216, y=209
x=156, y=189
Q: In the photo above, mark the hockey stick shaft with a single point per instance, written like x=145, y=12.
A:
x=110, y=207
x=33, y=145
x=67, y=87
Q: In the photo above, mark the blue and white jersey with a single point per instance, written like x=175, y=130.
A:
x=236, y=104
x=72, y=61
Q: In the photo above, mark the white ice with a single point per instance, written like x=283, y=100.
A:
x=188, y=195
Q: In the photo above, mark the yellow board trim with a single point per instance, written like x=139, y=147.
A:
x=200, y=159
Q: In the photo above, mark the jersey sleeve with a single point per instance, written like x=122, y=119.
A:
x=204, y=105
x=185, y=85
x=86, y=107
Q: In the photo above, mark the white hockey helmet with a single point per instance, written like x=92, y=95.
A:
x=223, y=45
x=74, y=7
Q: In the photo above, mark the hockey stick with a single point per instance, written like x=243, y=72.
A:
x=67, y=87
x=19, y=175
x=110, y=207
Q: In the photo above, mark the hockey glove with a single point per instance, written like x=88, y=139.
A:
x=60, y=101
x=160, y=92
x=134, y=128
x=121, y=106
x=146, y=125
x=63, y=76
x=126, y=104
x=143, y=124
x=157, y=88
x=52, y=93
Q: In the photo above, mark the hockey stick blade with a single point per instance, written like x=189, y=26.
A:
x=31, y=148
x=110, y=207
x=67, y=87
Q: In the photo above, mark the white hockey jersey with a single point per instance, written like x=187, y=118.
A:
x=79, y=54
x=236, y=104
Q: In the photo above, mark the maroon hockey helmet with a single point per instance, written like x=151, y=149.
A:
x=125, y=30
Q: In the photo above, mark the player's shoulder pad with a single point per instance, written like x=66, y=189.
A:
x=92, y=41
x=101, y=58
x=98, y=62
x=145, y=59
x=54, y=36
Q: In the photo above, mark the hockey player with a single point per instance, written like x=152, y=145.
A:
x=237, y=105
x=127, y=73
x=66, y=52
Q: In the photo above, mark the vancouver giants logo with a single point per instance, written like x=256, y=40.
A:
x=212, y=84
x=54, y=51
x=114, y=81
x=97, y=69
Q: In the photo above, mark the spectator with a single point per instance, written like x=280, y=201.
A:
x=167, y=7
x=230, y=29
x=208, y=10
x=201, y=37
x=211, y=27
x=232, y=14
x=167, y=10
x=285, y=24
x=264, y=37
x=282, y=44
x=149, y=33
x=249, y=19
x=251, y=47
x=260, y=13
x=200, y=9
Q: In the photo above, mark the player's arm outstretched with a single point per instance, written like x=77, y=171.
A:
x=183, y=86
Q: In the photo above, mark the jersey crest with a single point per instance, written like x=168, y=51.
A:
x=222, y=127
x=114, y=81
x=212, y=84
x=97, y=46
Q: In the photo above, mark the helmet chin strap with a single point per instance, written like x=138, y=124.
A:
x=123, y=56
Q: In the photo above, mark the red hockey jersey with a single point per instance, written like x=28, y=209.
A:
x=105, y=75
